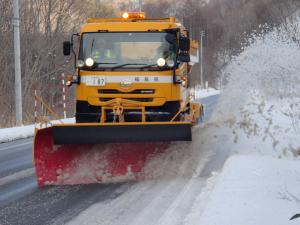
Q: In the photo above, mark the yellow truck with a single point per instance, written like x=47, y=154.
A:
x=132, y=77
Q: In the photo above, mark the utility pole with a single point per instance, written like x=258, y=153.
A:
x=18, y=84
x=202, y=34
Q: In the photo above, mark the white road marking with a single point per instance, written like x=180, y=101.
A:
x=15, y=146
x=17, y=176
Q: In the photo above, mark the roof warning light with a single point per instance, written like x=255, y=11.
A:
x=133, y=15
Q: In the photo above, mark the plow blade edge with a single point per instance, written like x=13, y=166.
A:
x=95, y=134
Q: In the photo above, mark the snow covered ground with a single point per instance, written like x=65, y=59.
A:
x=252, y=190
x=15, y=133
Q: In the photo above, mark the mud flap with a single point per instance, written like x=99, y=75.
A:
x=69, y=164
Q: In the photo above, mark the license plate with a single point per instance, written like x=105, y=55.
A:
x=95, y=81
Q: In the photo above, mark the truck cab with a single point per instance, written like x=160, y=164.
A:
x=131, y=69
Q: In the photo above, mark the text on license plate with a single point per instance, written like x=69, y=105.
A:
x=95, y=81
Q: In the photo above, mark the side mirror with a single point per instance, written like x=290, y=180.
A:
x=67, y=48
x=184, y=44
x=184, y=57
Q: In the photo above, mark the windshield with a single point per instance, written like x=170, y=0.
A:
x=127, y=50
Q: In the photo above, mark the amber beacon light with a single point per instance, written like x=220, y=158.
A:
x=133, y=15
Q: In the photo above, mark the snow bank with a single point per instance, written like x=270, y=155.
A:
x=253, y=190
x=14, y=133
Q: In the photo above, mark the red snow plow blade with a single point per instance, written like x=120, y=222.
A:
x=58, y=162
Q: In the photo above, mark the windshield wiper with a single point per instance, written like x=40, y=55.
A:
x=149, y=66
x=155, y=67
x=98, y=67
x=127, y=64
x=100, y=63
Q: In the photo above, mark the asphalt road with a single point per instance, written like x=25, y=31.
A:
x=22, y=202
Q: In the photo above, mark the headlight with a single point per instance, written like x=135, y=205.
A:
x=89, y=62
x=161, y=62
x=125, y=15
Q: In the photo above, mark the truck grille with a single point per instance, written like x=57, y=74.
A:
x=133, y=99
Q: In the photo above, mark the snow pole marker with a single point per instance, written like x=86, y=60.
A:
x=64, y=94
x=35, y=107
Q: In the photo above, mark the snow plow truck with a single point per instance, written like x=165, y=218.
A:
x=132, y=77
